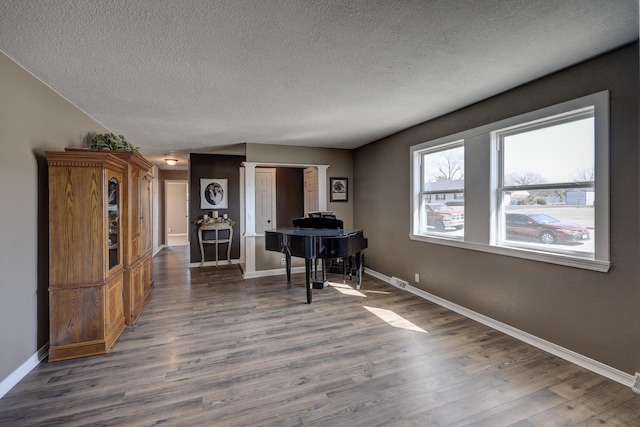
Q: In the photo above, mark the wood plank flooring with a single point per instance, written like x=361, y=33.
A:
x=212, y=349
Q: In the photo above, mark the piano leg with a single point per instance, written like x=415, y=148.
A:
x=344, y=271
x=287, y=257
x=352, y=261
x=308, y=268
x=358, y=270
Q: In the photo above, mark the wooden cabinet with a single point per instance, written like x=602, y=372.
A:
x=139, y=283
x=100, y=268
x=86, y=272
x=138, y=274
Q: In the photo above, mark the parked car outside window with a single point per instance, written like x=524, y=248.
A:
x=543, y=228
x=442, y=216
x=455, y=203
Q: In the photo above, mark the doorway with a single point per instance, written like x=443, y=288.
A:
x=176, y=230
x=265, y=199
x=310, y=190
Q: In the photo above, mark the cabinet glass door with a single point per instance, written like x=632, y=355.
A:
x=113, y=215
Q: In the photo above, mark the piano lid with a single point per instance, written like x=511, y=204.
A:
x=318, y=222
x=318, y=232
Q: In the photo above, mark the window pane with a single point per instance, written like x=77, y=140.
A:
x=440, y=219
x=443, y=170
x=442, y=186
x=554, y=154
x=559, y=220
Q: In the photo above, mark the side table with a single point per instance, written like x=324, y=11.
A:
x=216, y=227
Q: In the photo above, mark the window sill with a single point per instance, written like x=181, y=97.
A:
x=533, y=255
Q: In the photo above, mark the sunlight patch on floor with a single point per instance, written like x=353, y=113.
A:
x=346, y=289
x=393, y=319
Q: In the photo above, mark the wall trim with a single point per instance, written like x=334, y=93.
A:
x=221, y=262
x=274, y=272
x=21, y=371
x=564, y=353
x=161, y=247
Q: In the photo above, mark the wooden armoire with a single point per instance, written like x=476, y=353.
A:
x=100, y=274
x=138, y=273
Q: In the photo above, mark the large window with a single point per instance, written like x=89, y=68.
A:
x=546, y=187
x=441, y=211
x=534, y=186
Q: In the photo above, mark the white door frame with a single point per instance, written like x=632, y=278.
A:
x=272, y=173
x=165, y=231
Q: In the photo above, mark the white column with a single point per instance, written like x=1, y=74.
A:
x=322, y=187
x=250, y=217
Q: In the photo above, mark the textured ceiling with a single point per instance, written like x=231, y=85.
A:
x=190, y=76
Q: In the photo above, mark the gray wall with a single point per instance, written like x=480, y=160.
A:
x=33, y=118
x=289, y=195
x=592, y=313
x=222, y=167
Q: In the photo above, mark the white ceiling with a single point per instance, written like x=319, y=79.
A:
x=192, y=76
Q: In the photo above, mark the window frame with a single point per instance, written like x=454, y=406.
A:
x=482, y=204
x=499, y=137
x=432, y=195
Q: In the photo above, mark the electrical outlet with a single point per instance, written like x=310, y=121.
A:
x=283, y=261
x=417, y=278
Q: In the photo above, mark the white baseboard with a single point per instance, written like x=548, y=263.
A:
x=573, y=357
x=275, y=272
x=221, y=263
x=16, y=376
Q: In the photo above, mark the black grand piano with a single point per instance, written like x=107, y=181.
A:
x=318, y=238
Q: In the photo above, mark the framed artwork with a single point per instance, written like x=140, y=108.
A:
x=213, y=193
x=339, y=189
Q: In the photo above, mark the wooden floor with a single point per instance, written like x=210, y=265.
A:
x=213, y=349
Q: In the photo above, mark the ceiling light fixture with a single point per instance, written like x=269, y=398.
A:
x=171, y=162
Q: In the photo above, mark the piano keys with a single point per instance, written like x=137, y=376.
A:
x=317, y=243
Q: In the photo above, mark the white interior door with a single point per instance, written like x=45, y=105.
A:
x=176, y=210
x=265, y=199
x=310, y=190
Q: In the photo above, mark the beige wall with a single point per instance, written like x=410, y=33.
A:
x=594, y=314
x=33, y=118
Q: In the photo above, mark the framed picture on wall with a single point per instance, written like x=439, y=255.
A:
x=339, y=189
x=213, y=193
